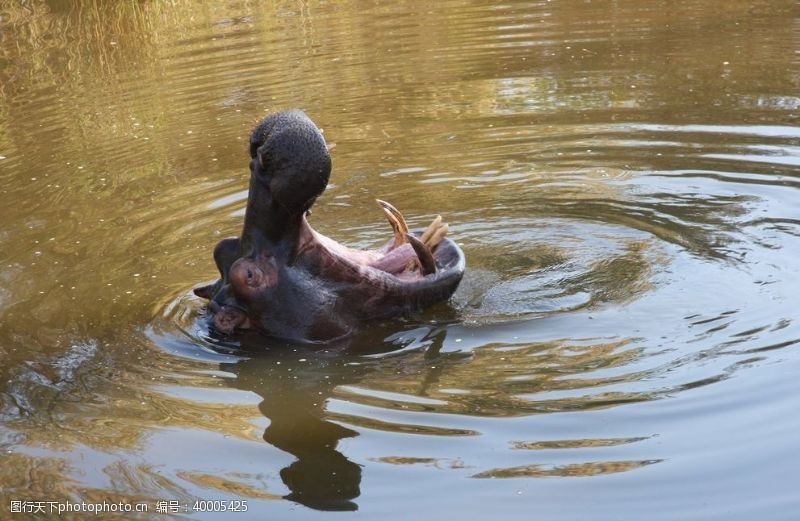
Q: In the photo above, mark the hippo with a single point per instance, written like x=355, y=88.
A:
x=287, y=281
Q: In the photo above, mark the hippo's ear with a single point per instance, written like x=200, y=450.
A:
x=206, y=292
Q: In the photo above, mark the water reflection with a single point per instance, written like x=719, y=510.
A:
x=296, y=383
x=308, y=396
x=294, y=393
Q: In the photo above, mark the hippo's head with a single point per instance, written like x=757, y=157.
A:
x=287, y=280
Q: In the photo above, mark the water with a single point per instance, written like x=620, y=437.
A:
x=622, y=177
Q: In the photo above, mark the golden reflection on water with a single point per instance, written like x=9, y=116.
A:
x=576, y=470
x=501, y=380
x=620, y=175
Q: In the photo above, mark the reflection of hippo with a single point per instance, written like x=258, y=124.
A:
x=285, y=279
x=294, y=395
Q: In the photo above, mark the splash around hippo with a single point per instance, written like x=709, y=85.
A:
x=288, y=281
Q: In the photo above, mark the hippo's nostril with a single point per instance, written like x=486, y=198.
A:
x=228, y=318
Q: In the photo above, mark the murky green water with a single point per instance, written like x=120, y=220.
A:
x=622, y=175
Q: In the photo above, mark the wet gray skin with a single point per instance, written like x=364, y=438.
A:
x=286, y=280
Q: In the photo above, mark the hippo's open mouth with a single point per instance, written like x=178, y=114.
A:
x=287, y=280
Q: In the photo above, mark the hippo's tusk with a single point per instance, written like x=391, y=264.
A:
x=432, y=227
x=424, y=255
x=437, y=236
x=330, y=146
x=397, y=221
x=430, y=238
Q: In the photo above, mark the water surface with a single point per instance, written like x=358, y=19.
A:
x=622, y=176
